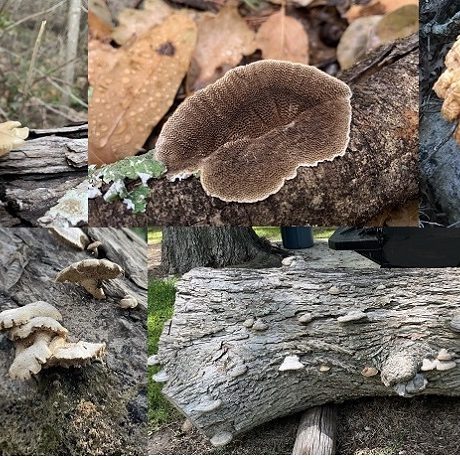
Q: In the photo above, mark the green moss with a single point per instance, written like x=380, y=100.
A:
x=162, y=294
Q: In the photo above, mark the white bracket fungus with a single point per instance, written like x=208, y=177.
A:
x=291, y=363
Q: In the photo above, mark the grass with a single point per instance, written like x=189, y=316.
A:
x=160, y=308
x=271, y=233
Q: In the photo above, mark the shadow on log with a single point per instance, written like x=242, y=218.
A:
x=34, y=177
x=248, y=346
x=378, y=172
x=100, y=409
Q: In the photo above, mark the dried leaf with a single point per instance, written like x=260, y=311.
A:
x=131, y=98
x=132, y=22
x=101, y=58
x=284, y=38
x=399, y=23
x=223, y=40
x=99, y=20
x=357, y=40
x=376, y=7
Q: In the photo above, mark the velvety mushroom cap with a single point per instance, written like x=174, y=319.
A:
x=11, y=136
x=97, y=269
x=250, y=131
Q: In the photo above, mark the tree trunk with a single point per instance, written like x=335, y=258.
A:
x=379, y=171
x=232, y=330
x=184, y=248
x=73, y=32
x=439, y=153
x=34, y=177
x=100, y=409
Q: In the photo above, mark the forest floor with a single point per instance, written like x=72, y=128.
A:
x=425, y=425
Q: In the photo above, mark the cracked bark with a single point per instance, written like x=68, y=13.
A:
x=379, y=170
x=223, y=373
x=34, y=177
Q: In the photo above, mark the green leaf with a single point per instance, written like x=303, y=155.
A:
x=136, y=200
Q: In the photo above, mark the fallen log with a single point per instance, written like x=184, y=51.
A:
x=378, y=172
x=248, y=346
x=35, y=176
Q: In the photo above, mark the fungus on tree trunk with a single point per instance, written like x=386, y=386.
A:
x=12, y=135
x=251, y=130
x=89, y=273
x=18, y=316
x=448, y=86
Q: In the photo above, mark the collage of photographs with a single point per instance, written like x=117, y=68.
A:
x=229, y=227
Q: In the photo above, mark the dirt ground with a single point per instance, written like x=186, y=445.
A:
x=375, y=426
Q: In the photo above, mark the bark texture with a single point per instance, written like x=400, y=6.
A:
x=439, y=153
x=378, y=171
x=184, y=248
x=233, y=329
x=34, y=177
x=95, y=410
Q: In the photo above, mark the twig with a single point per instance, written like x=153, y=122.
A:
x=34, y=58
x=53, y=109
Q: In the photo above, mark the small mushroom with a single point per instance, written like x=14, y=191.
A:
x=153, y=360
x=352, y=317
x=39, y=323
x=221, y=439
x=238, y=371
x=67, y=354
x=30, y=357
x=72, y=236
x=249, y=323
x=291, y=363
x=380, y=287
x=369, y=372
x=21, y=315
x=128, y=302
x=429, y=364
x=445, y=365
x=455, y=323
x=251, y=130
x=160, y=377
x=89, y=273
x=260, y=326
x=334, y=290
x=92, y=248
x=324, y=368
x=208, y=405
x=444, y=355
x=12, y=135
x=305, y=318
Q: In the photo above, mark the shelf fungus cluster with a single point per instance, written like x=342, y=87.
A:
x=448, y=87
x=250, y=131
x=41, y=341
x=89, y=274
x=12, y=135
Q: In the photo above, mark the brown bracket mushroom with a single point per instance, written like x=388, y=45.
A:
x=89, y=273
x=12, y=135
x=251, y=130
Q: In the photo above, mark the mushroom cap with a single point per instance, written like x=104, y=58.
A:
x=21, y=315
x=248, y=132
x=95, y=269
x=66, y=354
x=11, y=136
x=30, y=358
x=72, y=236
x=39, y=323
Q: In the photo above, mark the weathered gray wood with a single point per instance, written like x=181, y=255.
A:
x=380, y=169
x=97, y=410
x=316, y=432
x=224, y=374
x=34, y=177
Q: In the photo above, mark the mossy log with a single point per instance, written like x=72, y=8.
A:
x=36, y=175
x=248, y=346
x=100, y=409
x=379, y=171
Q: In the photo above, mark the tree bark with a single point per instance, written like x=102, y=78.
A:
x=34, y=177
x=317, y=431
x=184, y=248
x=439, y=153
x=233, y=329
x=378, y=171
x=100, y=409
